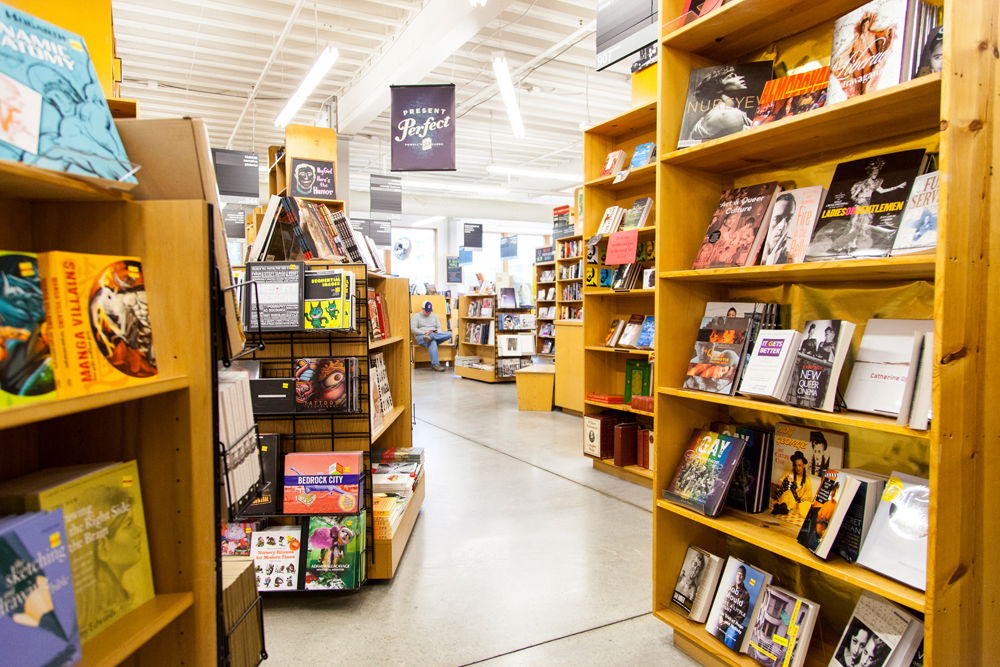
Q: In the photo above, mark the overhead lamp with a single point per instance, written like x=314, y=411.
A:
x=316, y=73
x=456, y=186
x=502, y=73
x=478, y=3
x=540, y=174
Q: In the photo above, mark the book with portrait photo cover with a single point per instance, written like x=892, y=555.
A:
x=801, y=457
x=740, y=591
x=696, y=583
x=718, y=353
x=790, y=226
x=701, y=480
x=721, y=100
x=864, y=206
x=736, y=232
x=818, y=363
x=879, y=633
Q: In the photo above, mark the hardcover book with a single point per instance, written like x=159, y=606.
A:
x=646, y=334
x=277, y=557
x=99, y=324
x=335, y=552
x=643, y=155
x=26, y=369
x=272, y=395
x=236, y=537
x=896, y=545
x=736, y=232
x=718, y=351
x=322, y=482
x=886, y=365
x=637, y=216
x=782, y=628
x=55, y=112
x=818, y=362
x=324, y=384
x=875, y=630
x=105, y=534
x=918, y=226
x=614, y=331
x=790, y=228
x=769, y=368
x=740, y=591
x=748, y=492
x=860, y=513
x=791, y=95
x=37, y=610
x=696, y=583
x=863, y=208
x=829, y=507
x=705, y=472
x=802, y=455
x=625, y=439
x=279, y=292
x=638, y=378
x=613, y=163
x=323, y=299
x=631, y=331
x=722, y=100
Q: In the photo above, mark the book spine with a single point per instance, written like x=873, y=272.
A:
x=293, y=220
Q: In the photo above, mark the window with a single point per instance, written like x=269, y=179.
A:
x=420, y=265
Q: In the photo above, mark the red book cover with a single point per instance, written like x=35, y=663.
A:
x=322, y=482
x=382, y=319
x=610, y=399
x=736, y=233
x=374, y=323
x=625, y=440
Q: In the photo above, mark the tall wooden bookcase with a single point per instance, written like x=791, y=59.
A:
x=569, y=327
x=604, y=367
x=488, y=351
x=954, y=112
x=165, y=423
x=541, y=289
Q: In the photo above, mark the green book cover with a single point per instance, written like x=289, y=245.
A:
x=26, y=369
x=335, y=552
x=637, y=378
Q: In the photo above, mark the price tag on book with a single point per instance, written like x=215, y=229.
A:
x=620, y=176
x=622, y=247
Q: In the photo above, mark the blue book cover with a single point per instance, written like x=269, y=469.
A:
x=37, y=608
x=702, y=478
x=740, y=589
x=55, y=114
x=646, y=334
x=26, y=367
x=643, y=155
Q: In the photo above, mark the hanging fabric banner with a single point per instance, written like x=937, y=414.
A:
x=423, y=128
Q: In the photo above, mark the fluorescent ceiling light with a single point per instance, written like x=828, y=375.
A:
x=508, y=94
x=534, y=173
x=457, y=186
x=319, y=69
x=478, y=3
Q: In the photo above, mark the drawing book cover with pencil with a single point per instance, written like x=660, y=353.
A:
x=322, y=482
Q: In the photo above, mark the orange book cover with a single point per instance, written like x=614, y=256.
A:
x=101, y=334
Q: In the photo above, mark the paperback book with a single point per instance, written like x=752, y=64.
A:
x=818, y=363
x=703, y=476
x=277, y=557
x=918, y=226
x=790, y=228
x=326, y=300
x=860, y=514
x=636, y=217
x=614, y=162
x=278, y=291
x=27, y=371
x=770, y=365
x=696, y=583
x=829, y=507
x=896, y=544
x=718, y=351
x=782, y=628
x=647, y=334
x=739, y=593
x=736, y=232
x=885, y=368
x=791, y=95
x=642, y=155
x=722, y=100
x=749, y=490
x=638, y=378
x=335, y=552
x=876, y=629
x=802, y=455
x=323, y=482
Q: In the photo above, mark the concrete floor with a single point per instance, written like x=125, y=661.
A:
x=522, y=555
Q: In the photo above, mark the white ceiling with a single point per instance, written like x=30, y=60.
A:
x=202, y=57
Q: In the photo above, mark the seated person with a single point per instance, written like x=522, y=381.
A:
x=426, y=330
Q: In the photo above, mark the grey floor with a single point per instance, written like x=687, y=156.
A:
x=522, y=555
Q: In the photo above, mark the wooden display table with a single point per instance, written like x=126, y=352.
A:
x=535, y=386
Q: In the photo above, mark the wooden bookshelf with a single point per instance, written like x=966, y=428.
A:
x=486, y=351
x=950, y=113
x=568, y=328
x=543, y=269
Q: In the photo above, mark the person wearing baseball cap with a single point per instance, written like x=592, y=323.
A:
x=426, y=330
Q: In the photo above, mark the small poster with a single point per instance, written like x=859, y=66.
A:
x=315, y=179
x=473, y=235
x=454, y=270
x=423, y=128
x=508, y=247
x=464, y=256
x=622, y=247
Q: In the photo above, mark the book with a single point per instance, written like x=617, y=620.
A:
x=325, y=384
x=791, y=95
x=27, y=370
x=826, y=514
x=642, y=155
x=638, y=378
x=790, y=227
x=647, y=333
x=860, y=513
x=702, y=478
x=818, y=363
x=932, y=53
x=918, y=226
x=265, y=231
x=718, y=351
x=896, y=545
x=920, y=407
x=631, y=331
x=613, y=163
x=625, y=438
x=507, y=298
x=614, y=331
x=885, y=367
x=277, y=557
x=236, y=537
x=872, y=48
x=740, y=590
x=99, y=324
x=335, y=556
x=736, y=232
x=277, y=297
x=770, y=365
x=749, y=490
x=38, y=617
x=863, y=208
x=267, y=501
x=56, y=115
x=272, y=395
x=782, y=628
x=876, y=629
x=323, y=299
x=802, y=455
x=696, y=583
x=721, y=100
x=322, y=482
x=599, y=435
x=105, y=535
x=636, y=217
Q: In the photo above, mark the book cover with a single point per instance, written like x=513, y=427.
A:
x=277, y=557
x=706, y=469
x=874, y=631
x=718, y=351
x=322, y=299
x=335, y=552
x=598, y=435
x=105, y=534
x=272, y=395
x=507, y=299
x=643, y=155
x=932, y=53
x=625, y=439
x=885, y=364
x=613, y=332
x=782, y=628
x=791, y=95
x=646, y=334
x=322, y=482
x=740, y=589
x=696, y=583
x=55, y=112
x=613, y=163
x=736, y=232
x=818, y=362
x=26, y=368
x=631, y=331
x=278, y=291
x=236, y=537
x=722, y=100
x=748, y=490
x=99, y=324
x=790, y=228
x=825, y=516
x=322, y=384
x=860, y=513
x=769, y=367
x=638, y=378
x=918, y=226
x=38, y=624
x=267, y=501
x=862, y=210
x=637, y=216
x=802, y=455
x=896, y=545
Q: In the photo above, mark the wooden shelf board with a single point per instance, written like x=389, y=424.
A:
x=644, y=175
x=575, y=237
x=905, y=108
x=604, y=291
x=855, y=419
x=545, y=282
x=544, y=354
x=544, y=336
x=622, y=350
x=640, y=117
x=477, y=317
x=624, y=407
x=389, y=552
x=569, y=280
x=465, y=342
x=382, y=343
x=575, y=323
x=570, y=259
x=570, y=300
x=698, y=635
x=387, y=421
x=546, y=263
x=127, y=635
x=648, y=229
x=912, y=267
x=480, y=374
x=634, y=474
x=545, y=301
x=36, y=412
x=779, y=538
x=24, y=181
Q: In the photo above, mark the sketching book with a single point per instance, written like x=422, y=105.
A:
x=706, y=469
x=736, y=232
x=26, y=368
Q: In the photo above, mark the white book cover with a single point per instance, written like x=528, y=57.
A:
x=918, y=226
x=696, y=583
x=896, y=545
x=790, y=228
x=868, y=49
x=920, y=408
x=875, y=630
x=266, y=230
x=885, y=365
x=767, y=372
x=275, y=552
x=591, y=436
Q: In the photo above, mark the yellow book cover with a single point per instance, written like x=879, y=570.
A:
x=106, y=531
x=99, y=318
x=26, y=370
x=322, y=302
